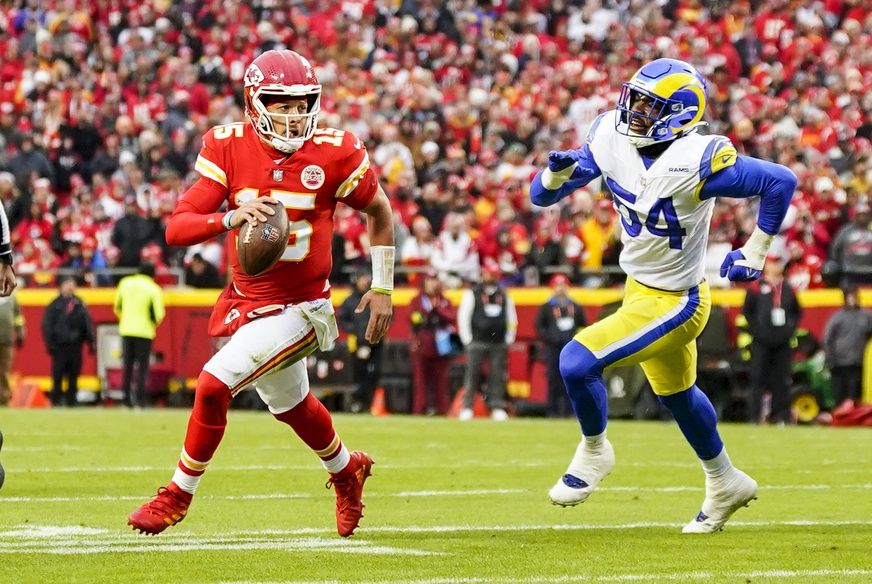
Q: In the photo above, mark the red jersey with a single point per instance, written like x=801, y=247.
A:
x=333, y=165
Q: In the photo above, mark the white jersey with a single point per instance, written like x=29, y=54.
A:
x=665, y=224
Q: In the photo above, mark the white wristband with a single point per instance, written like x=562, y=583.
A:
x=382, y=267
x=756, y=249
x=225, y=221
x=554, y=180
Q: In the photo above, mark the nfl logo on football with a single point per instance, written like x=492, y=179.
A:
x=269, y=233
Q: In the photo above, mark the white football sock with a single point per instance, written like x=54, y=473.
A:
x=186, y=482
x=595, y=443
x=717, y=466
x=338, y=462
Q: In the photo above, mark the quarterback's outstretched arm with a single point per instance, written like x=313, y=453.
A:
x=752, y=177
x=567, y=170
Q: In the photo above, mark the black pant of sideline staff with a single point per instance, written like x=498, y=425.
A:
x=770, y=371
x=847, y=382
x=66, y=363
x=2, y=472
x=558, y=400
x=135, y=351
x=367, y=374
x=495, y=354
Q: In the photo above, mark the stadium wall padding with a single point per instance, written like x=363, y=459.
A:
x=182, y=338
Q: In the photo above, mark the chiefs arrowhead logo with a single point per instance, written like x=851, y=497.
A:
x=253, y=75
x=231, y=316
x=313, y=177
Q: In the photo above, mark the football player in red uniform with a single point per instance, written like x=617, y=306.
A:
x=277, y=318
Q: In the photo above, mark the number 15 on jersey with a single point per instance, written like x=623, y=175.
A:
x=301, y=231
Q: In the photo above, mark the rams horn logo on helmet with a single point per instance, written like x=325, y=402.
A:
x=664, y=100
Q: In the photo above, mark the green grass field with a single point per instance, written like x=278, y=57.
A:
x=448, y=502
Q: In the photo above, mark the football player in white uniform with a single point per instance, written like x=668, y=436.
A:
x=663, y=177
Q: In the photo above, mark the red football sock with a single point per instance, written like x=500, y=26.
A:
x=313, y=424
x=206, y=424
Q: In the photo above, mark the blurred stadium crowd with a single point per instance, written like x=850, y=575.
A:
x=102, y=105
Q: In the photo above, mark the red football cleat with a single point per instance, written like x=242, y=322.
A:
x=348, y=484
x=168, y=507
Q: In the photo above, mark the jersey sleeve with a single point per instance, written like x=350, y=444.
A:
x=359, y=182
x=211, y=162
x=196, y=218
x=591, y=132
x=718, y=155
x=543, y=188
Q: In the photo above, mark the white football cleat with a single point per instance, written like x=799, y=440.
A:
x=585, y=472
x=499, y=414
x=723, y=497
x=465, y=415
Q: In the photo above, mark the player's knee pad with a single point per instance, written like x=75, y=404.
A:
x=577, y=362
x=282, y=390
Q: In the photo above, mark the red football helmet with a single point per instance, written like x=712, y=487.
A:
x=282, y=73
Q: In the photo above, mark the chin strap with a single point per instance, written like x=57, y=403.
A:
x=645, y=141
x=285, y=146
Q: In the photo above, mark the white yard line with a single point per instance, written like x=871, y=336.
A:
x=167, y=468
x=75, y=540
x=32, y=534
x=82, y=548
x=461, y=493
x=385, y=466
x=70, y=540
x=445, y=493
x=670, y=577
x=45, y=448
x=422, y=529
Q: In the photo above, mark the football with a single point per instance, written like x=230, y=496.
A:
x=261, y=245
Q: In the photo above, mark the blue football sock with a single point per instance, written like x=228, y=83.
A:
x=697, y=419
x=583, y=376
